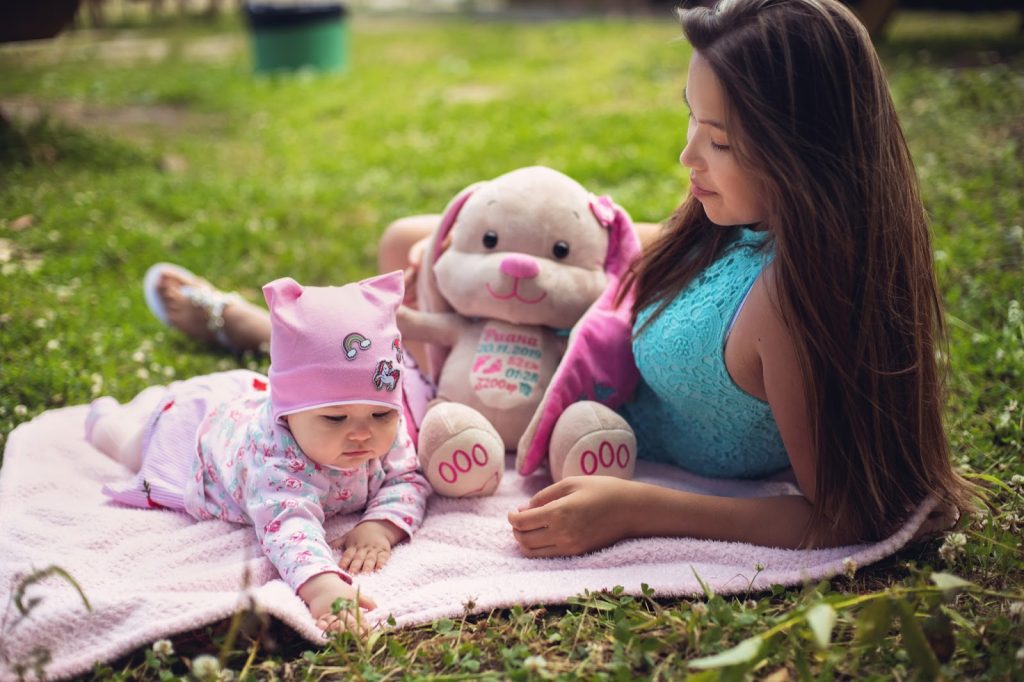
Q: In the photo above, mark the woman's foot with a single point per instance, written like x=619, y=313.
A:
x=193, y=306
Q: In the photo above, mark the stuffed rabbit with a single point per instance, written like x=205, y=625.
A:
x=527, y=338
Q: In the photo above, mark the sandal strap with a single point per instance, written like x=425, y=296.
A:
x=213, y=302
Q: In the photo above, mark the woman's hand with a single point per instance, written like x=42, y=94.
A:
x=576, y=515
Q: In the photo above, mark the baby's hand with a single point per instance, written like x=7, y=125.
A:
x=368, y=546
x=321, y=592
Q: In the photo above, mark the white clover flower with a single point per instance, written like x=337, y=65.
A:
x=53, y=344
x=952, y=546
x=1014, y=316
x=226, y=675
x=205, y=667
x=20, y=410
x=139, y=356
x=1016, y=609
x=1016, y=479
x=699, y=608
x=1020, y=654
x=142, y=373
x=535, y=664
x=163, y=648
x=849, y=567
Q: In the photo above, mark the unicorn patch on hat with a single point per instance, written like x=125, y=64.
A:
x=386, y=376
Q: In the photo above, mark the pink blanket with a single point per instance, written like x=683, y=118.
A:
x=152, y=573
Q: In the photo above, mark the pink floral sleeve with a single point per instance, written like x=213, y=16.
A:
x=398, y=491
x=286, y=510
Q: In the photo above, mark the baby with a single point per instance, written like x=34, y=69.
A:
x=323, y=435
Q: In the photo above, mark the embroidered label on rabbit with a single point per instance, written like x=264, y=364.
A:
x=506, y=365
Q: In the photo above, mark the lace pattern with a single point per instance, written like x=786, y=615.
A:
x=687, y=410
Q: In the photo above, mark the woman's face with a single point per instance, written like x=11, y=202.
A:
x=726, y=191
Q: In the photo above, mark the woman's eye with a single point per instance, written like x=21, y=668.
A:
x=560, y=250
x=490, y=239
x=719, y=147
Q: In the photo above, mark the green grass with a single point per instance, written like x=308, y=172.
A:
x=298, y=176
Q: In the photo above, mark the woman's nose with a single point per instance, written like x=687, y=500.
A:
x=689, y=158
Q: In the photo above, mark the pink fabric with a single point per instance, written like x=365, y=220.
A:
x=332, y=345
x=151, y=573
x=598, y=363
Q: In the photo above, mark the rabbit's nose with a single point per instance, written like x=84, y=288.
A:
x=520, y=266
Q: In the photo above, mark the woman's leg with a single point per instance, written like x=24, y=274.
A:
x=246, y=325
x=401, y=245
x=401, y=248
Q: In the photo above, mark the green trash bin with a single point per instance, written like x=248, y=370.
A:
x=297, y=36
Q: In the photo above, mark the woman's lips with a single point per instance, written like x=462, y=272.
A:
x=699, y=191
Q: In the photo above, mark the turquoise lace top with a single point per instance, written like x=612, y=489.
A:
x=687, y=411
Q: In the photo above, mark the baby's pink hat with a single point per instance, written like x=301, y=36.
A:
x=335, y=345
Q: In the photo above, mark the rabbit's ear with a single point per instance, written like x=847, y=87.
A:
x=428, y=295
x=623, y=244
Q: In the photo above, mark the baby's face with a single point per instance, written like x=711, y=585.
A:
x=344, y=436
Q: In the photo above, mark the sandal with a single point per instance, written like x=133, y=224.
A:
x=209, y=300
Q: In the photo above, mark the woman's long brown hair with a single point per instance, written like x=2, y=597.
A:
x=811, y=118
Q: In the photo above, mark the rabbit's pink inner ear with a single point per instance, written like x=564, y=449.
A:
x=450, y=215
x=604, y=209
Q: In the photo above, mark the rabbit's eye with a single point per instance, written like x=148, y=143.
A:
x=560, y=250
x=490, y=239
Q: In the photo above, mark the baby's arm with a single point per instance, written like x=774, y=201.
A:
x=321, y=591
x=368, y=545
x=395, y=509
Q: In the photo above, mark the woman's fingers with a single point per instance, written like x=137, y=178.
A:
x=539, y=512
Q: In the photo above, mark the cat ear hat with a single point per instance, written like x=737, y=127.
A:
x=598, y=363
x=335, y=345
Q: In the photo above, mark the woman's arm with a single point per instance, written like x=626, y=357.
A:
x=584, y=513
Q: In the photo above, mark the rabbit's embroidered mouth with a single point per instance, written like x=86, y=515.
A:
x=514, y=293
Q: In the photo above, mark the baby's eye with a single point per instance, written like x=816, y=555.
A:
x=490, y=239
x=560, y=250
x=383, y=416
x=335, y=418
